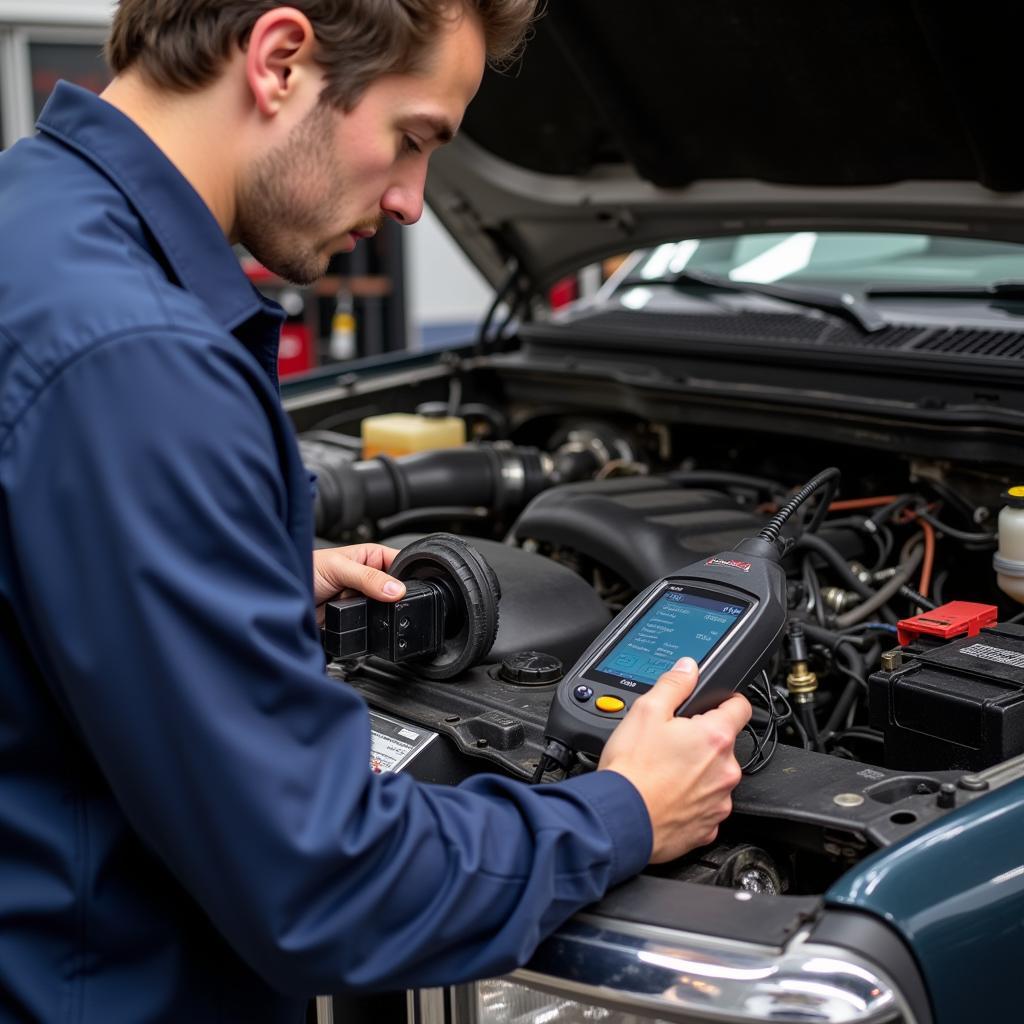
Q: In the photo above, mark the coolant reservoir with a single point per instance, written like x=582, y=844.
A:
x=401, y=433
x=1009, y=559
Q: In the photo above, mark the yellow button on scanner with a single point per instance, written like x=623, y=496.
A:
x=609, y=704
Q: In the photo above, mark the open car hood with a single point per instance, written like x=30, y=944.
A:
x=629, y=124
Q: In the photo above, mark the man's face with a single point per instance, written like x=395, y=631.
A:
x=340, y=173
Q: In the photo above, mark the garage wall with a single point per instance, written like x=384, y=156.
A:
x=39, y=38
x=64, y=12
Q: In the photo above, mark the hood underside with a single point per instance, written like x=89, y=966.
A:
x=628, y=124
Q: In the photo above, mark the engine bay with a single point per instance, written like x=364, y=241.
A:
x=886, y=727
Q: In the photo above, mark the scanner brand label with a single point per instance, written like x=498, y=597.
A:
x=733, y=563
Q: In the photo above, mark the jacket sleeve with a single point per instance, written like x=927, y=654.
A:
x=170, y=612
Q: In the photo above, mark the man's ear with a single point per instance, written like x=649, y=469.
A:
x=280, y=58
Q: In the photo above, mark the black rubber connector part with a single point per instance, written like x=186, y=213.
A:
x=448, y=560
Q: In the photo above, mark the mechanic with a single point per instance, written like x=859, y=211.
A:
x=188, y=827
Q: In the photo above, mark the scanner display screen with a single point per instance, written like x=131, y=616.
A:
x=680, y=623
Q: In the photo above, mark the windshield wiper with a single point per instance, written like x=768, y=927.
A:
x=841, y=303
x=1010, y=289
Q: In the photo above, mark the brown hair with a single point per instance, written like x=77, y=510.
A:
x=181, y=45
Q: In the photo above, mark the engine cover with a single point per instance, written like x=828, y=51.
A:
x=645, y=527
x=639, y=527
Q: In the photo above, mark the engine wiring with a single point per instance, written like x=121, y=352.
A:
x=909, y=532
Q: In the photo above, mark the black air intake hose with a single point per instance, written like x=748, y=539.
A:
x=497, y=477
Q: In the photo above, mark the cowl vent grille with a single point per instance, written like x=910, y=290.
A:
x=773, y=328
x=685, y=326
x=888, y=337
x=990, y=344
x=786, y=331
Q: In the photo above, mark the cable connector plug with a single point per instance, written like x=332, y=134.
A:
x=759, y=547
x=556, y=755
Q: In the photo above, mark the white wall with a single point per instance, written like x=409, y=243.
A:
x=63, y=12
x=446, y=296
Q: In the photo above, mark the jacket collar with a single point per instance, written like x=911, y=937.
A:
x=183, y=226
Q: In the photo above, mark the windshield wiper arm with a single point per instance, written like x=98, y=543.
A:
x=1010, y=289
x=841, y=303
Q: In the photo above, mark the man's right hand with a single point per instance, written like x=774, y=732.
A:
x=684, y=768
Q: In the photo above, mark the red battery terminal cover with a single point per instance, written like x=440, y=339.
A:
x=957, y=618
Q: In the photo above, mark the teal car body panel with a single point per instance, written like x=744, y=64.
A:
x=955, y=892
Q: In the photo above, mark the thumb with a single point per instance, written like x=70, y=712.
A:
x=674, y=686
x=378, y=585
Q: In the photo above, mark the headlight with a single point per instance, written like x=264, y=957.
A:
x=503, y=1002
x=618, y=973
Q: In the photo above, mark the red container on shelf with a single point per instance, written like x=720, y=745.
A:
x=297, y=353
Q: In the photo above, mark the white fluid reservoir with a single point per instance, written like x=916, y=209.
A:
x=1008, y=561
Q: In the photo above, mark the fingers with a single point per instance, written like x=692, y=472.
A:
x=358, y=567
x=734, y=713
x=387, y=555
x=673, y=687
x=377, y=555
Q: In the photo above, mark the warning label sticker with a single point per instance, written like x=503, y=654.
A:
x=393, y=744
x=988, y=653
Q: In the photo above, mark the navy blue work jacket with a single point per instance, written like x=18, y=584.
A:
x=189, y=830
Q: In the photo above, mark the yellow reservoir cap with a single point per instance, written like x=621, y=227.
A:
x=609, y=704
x=1016, y=492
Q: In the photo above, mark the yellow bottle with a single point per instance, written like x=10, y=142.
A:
x=401, y=433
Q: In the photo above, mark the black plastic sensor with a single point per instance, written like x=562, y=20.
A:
x=411, y=628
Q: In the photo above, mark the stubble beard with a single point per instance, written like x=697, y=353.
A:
x=287, y=201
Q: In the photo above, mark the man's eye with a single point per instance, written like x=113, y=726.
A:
x=411, y=145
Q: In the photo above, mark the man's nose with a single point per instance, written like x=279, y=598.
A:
x=403, y=201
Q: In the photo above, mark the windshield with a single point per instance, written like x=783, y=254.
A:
x=854, y=259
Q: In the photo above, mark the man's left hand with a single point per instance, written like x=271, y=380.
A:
x=357, y=567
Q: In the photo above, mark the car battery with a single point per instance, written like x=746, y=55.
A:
x=957, y=705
